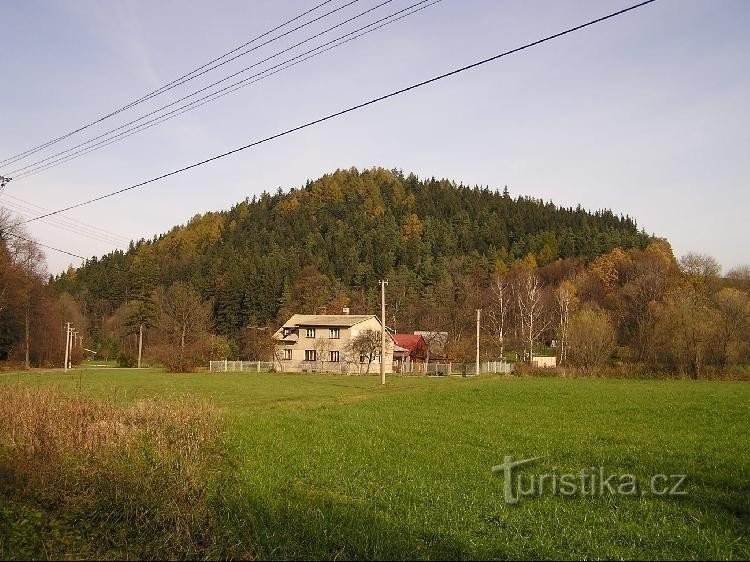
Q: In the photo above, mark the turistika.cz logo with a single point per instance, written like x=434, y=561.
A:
x=592, y=482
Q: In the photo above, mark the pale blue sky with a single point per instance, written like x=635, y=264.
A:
x=646, y=114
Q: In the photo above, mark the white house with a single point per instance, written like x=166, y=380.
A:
x=323, y=343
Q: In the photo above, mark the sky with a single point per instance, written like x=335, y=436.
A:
x=645, y=114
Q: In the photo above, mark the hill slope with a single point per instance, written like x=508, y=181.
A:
x=330, y=242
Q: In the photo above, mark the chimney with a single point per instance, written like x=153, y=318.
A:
x=346, y=310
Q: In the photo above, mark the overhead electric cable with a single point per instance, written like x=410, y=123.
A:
x=17, y=204
x=184, y=78
x=60, y=222
x=25, y=171
x=52, y=161
x=67, y=253
x=351, y=109
x=3, y=233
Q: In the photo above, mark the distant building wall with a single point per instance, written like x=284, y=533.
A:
x=544, y=362
x=331, y=353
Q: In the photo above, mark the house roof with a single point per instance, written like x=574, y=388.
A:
x=332, y=320
x=408, y=341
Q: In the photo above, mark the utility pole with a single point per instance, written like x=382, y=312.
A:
x=67, y=345
x=479, y=313
x=383, y=283
x=140, y=344
x=73, y=338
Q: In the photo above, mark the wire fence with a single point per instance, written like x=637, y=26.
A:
x=409, y=368
x=226, y=366
x=450, y=368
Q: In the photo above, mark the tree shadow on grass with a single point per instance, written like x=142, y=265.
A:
x=318, y=526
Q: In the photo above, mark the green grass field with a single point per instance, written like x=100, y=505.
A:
x=338, y=467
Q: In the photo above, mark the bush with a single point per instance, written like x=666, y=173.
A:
x=591, y=339
x=177, y=360
x=126, y=360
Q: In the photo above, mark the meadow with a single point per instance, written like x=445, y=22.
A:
x=336, y=467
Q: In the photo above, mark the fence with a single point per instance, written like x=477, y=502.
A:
x=431, y=369
x=340, y=368
x=226, y=366
x=446, y=369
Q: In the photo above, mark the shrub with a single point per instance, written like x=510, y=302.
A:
x=591, y=338
x=126, y=360
x=181, y=360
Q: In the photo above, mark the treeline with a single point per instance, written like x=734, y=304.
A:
x=353, y=227
x=634, y=307
x=588, y=287
x=32, y=312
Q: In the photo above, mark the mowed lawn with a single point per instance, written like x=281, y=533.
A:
x=338, y=467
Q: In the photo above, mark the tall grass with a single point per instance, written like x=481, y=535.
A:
x=133, y=481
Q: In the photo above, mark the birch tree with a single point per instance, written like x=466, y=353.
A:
x=500, y=303
x=566, y=301
x=530, y=303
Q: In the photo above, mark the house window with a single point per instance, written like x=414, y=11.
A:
x=334, y=356
x=311, y=332
x=309, y=355
x=287, y=355
x=334, y=333
x=287, y=331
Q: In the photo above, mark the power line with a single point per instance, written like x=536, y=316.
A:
x=71, y=254
x=32, y=208
x=40, y=166
x=59, y=222
x=33, y=167
x=40, y=244
x=351, y=109
x=184, y=78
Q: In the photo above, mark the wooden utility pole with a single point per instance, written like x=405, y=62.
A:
x=72, y=345
x=383, y=283
x=140, y=344
x=27, y=320
x=479, y=312
x=67, y=345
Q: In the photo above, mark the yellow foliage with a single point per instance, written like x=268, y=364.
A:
x=529, y=262
x=605, y=269
x=413, y=227
x=288, y=205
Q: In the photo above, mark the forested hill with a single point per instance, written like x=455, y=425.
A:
x=350, y=229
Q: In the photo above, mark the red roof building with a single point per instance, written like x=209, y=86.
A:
x=415, y=346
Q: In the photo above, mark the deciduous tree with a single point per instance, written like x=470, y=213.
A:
x=366, y=345
x=184, y=324
x=531, y=309
x=591, y=338
x=566, y=302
